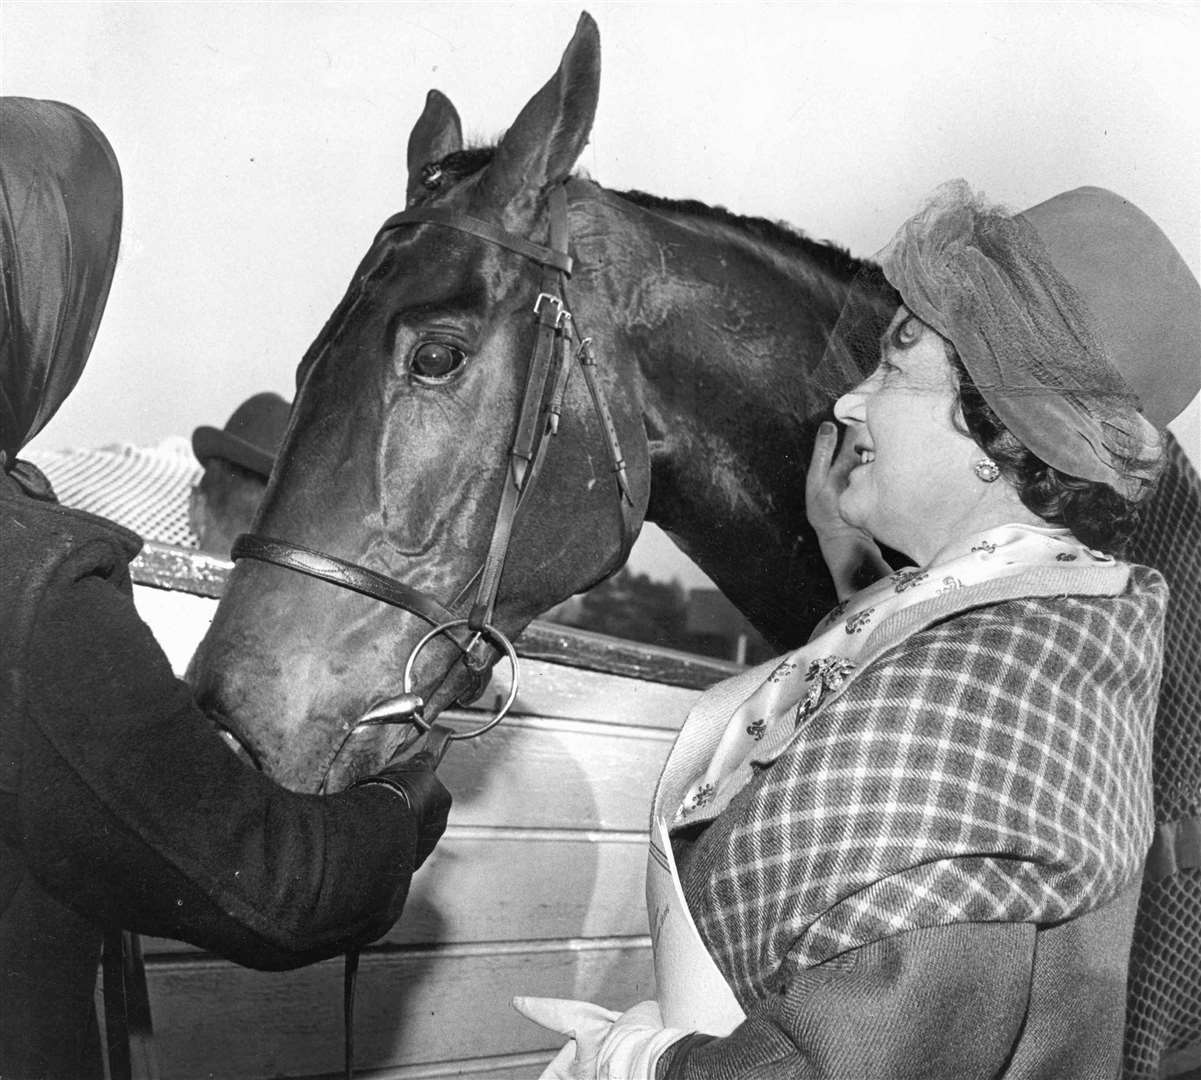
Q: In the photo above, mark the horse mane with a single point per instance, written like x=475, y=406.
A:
x=833, y=258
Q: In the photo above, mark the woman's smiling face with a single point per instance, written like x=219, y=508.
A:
x=913, y=488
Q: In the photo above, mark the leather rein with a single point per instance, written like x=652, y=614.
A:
x=538, y=421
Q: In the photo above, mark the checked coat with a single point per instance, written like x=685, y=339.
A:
x=936, y=874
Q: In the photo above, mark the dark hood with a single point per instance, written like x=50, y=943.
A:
x=60, y=224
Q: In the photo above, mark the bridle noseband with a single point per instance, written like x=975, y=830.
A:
x=538, y=422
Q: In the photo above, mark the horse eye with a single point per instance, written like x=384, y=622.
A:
x=435, y=360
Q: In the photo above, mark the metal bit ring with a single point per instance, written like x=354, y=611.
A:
x=493, y=635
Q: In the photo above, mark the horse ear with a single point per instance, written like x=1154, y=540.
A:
x=437, y=133
x=552, y=130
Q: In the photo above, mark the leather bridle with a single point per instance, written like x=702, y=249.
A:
x=537, y=424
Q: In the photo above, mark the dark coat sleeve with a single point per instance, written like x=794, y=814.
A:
x=133, y=811
x=933, y=1003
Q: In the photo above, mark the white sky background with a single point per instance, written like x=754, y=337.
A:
x=262, y=144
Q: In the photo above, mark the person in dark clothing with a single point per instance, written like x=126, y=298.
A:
x=120, y=805
x=237, y=462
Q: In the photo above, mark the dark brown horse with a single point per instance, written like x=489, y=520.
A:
x=711, y=333
x=709, y=330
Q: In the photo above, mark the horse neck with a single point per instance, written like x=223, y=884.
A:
x=722, y=335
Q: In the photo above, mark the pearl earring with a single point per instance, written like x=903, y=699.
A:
x=986, y=469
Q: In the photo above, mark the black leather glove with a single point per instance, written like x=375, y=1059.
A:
x=413, y=778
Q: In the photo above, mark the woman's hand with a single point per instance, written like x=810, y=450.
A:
x=853, y=557
x=604, y=1045
x=585, y=1025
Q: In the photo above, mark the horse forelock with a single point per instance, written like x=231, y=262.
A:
x=459, y=165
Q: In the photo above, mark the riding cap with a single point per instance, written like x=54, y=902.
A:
x=1077, y=319
x=60, y=226
x=251, y=436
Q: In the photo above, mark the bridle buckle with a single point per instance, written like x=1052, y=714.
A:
x=561, y=313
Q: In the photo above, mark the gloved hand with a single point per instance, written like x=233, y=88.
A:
x=604, y=1045
x=584, y=1024
x=413, y=778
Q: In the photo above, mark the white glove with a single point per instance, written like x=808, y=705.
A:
x=604, y=1045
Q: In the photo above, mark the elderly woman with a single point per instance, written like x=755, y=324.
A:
x=913, y=847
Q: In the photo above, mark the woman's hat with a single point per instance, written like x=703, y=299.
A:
x=251, y=436
x=1146, y=302
x=1077, y=320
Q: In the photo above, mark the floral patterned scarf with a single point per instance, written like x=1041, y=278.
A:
x=761, y=726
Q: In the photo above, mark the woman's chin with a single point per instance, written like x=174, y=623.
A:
x=854, y=512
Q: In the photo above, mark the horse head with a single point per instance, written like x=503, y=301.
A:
x=399, y=460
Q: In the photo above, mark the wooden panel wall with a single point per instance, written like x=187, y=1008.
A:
x=536, y=888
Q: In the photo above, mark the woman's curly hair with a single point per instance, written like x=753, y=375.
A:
x=1096, y=514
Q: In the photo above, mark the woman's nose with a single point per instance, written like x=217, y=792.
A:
x=849, y=409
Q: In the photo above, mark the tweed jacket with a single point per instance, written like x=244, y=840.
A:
x=938, y=875
x=121, y=807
